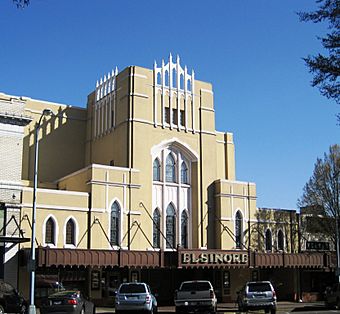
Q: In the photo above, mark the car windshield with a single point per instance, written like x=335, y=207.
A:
x=195, y=286
x=132, y=288
x=259, y=287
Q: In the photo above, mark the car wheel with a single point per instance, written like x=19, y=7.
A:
x=2, y=310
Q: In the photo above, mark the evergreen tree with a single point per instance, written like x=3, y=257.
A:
x=326, y=67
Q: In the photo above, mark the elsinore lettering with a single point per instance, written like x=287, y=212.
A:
x=214, y=258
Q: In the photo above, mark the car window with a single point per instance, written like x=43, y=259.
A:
x=259, y=286
x=195, y=286
x=66, y=293
x=132, y=288
x=6, y=287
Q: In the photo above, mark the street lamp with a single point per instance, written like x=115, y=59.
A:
x=45, y=112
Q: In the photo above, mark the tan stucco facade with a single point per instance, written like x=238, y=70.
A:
x=89, y=158
x=140, y=179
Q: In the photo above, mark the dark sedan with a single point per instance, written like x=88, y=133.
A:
x=68, y=301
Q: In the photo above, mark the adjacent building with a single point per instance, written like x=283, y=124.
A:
x=140, y=185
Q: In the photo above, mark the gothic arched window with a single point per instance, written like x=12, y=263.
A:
x=170, y=227
x=156, y=229
x=184, y=173
x=70, y=232
x=280, y=241
x=184, y=229
x=269, y=242
x=115, y=224
x=170, y=171
x=50, y=231
x=156, y=170
x=238, y=230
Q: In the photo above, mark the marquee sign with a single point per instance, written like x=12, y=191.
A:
x=212, y=258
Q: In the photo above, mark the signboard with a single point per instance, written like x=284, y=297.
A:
x=206, y=258
x=317, y=246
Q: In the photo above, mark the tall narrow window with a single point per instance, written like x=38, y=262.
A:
x=238, y=230
x=50, y=231
x=174, y=116
x=184, y=173
x=182, y=117
x=184, y=229
x=170, y=227
x=156, y=170
x=280, y=241
x=170, y=169
x=115, y=224
x=268, y=240
x=167, y=115
x=70, y=232
x=156, y=229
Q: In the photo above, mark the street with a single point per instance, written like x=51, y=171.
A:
x=231, y=308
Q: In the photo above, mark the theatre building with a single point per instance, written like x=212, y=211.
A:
x=139, y=185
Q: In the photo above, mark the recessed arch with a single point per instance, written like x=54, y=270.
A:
x=50, y=231
x=115, y=224
x=170, y=226
x=238, y=230
x=184, y=229
x=156, y=231
x=268, y=240
x=280, y=240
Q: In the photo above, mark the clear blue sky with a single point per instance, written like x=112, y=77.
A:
x=251, y=51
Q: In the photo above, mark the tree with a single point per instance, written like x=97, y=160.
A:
x=326, y=68
x=21, y=3
x=321, y=194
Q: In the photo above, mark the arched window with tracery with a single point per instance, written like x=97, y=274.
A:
x=70, y=232
x=50, y=231
x=238, y=230
x=170, y=171
x=170, y=223
x=280, y=241
x=115, y=224
x=156, y=170
x=184, y=173
x=184, y=229
x=156, y=229
x=269, y=242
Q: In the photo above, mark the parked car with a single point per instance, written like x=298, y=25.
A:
x=135, y=296
x=257, y=295
x=332, y=296
x=67, y=301
x=11, y=301
x=195, y=296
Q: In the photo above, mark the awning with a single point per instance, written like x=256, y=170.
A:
x=8, y=239
x=99, y=258
x=182, y=258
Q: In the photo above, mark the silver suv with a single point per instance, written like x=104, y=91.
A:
x=195, y=296
x=257, y=295
x=135, y=296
